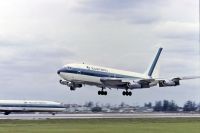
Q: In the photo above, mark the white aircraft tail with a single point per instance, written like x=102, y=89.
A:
x=150, y=70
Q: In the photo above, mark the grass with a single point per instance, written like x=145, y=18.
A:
x=164, y=125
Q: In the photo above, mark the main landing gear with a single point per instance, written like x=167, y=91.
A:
x=102, y=92
x=126, y=93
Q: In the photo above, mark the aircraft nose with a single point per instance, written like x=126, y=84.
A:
x=61, y=70
x=58, y=72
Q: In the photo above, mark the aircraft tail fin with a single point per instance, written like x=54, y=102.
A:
x=150, y=70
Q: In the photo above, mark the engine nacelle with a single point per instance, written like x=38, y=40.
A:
x=70, y=84
x=134, y=85
x=169, y=83
x=64, y=82
x=78, y=85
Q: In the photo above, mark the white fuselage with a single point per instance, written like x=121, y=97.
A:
x=90, y=74
x=30, y=106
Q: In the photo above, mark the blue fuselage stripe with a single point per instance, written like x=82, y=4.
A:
x=93, y=73
x=31, y=106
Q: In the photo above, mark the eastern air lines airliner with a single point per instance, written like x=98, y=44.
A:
x=77, y=75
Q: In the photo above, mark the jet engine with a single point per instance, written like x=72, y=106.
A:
x=134, y=85
x=72, y=85
x=169, y=83
x=64, y=82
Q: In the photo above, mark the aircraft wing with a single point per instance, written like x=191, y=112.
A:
x=181, y=78
x=174, y=81
x=144, y=83
x=131, y=83
x=115, y=81
x=188, y=77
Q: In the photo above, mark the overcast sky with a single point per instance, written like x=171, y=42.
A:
x=37, y=37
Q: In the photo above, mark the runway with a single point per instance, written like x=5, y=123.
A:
x=94, y=115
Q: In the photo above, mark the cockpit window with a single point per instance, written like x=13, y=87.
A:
x=69, y=67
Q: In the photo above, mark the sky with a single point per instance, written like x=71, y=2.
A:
x=37, y=37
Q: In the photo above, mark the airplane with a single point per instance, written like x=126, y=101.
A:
x=9, y=106
x=77, y=75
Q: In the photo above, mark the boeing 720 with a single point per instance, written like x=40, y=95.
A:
x=77, y=75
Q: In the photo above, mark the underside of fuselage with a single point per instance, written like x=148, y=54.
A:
x=88, y=80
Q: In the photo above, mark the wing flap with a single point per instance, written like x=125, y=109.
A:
x=126, y=81
x=113, y=81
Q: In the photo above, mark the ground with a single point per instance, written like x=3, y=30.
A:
x=159, y=125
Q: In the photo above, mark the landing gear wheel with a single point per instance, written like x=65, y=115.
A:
x=99, y=92
x=102, y=92
x=72, y=88
x=126, y=93
x=129, y=93
x=6, y=113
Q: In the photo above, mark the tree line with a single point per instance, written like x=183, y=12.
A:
x=171, y=106
x=158, y=106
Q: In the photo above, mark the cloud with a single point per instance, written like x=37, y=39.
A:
x=116, y=5
x=178, y=30
x=162, y=16
x=31, y=59
x=132, y=11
